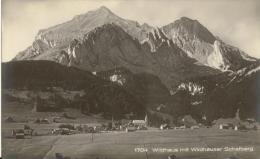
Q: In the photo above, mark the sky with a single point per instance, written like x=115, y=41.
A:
x=237, y=22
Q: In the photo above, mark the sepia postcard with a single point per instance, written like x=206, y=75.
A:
x=139, y=79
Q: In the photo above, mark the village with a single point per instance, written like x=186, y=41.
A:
x=71, y=128
x=58, y=136
x=31, y=129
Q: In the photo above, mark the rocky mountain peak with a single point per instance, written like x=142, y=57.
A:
x=100, y=10
x=184, y=56
x=106, y=35
x=193, y=28
x=146, y=26
x=107, y=46
x=156, y=38
x=188, y=29
x=109, y=30
x=158, y=33
x=199, y=43
x=185, y=36
x=105, y=9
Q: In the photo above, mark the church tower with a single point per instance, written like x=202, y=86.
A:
x=146, y=120
x=237, y=114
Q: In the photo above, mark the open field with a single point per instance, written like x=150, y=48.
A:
x=115, y=145
x=122, y=145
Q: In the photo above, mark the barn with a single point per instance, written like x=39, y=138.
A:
x=141, y=123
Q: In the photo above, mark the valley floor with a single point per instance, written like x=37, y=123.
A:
x=124, y=145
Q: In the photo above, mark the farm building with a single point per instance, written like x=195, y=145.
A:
x=9, y=120
x=61, y=131
x=18, y=133
x=228, y=123
x=226, y=126
x=251, y=120
x=56, y=119
x=180, y=127
x=194, y=127
x=22, y=133
x=41, y=121
x=130, y=128
x=27, y=130
x=141, y=123
x=56, y=131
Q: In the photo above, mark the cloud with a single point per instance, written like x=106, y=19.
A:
x=237, y=22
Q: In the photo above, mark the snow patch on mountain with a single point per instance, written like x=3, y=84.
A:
x=196, y=103
x=192, y=88
x=253, y=71
x=247, y=57
x=189, y=53
x=241, y=71
x=71, y=51
x=117, y=79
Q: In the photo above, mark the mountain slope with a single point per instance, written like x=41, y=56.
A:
x=58, y=37
x=189, y=35
x=199, y=43
x=146, y=87
x=109, y=47
x=178, y=69
x=45, y=78
x=240, y=93
x=222, y=95
x=106, y=47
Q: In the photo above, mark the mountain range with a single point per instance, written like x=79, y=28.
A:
x=177, y=69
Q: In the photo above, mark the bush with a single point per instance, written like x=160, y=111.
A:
x=79, y=128
x=37, y=120
x=26, y=127
x=65, y=115
x=109, y=125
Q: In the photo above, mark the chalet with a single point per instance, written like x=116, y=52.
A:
x=56, y=119
x=18, y=133
x=225, y=126
x=56, y=131
x=65, y=131
x=42, y=121
x=130, y=128
x=194, y=127
x=251, y=120
x=9, y=120
x=27, y=130
x=141, y=123
x=181, y=127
